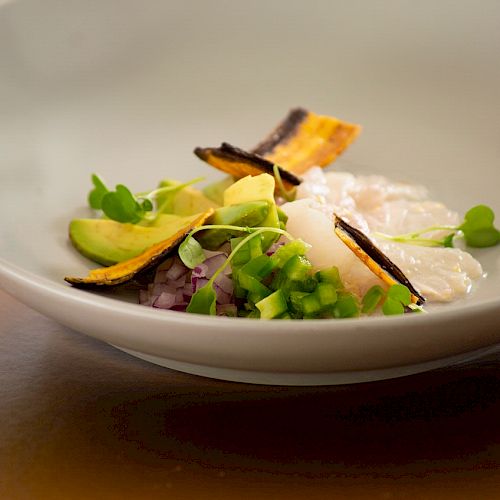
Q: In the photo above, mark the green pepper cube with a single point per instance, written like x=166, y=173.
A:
x=285, y=252
x=326, y=294
x=272, y=306
x=295, y=299
x=260, y=267
x=311, y=306
x=330, y=275
x=346, y=306
x=297, y=268
x=250, y=283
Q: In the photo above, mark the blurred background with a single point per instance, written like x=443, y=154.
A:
x=99, y=83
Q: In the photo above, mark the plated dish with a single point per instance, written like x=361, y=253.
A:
x=316, y=351
x=281, y=239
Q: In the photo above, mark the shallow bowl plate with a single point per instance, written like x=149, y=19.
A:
x=130, y=95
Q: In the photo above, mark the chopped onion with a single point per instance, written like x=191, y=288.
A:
x=174, y=284
x=165, y=300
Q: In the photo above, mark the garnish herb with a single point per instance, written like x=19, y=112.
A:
x=123, y=206
x=287, y=195
x=398, y=297
x=394, y=301
x=477, y=228
x=97, y=194
x=372, y=299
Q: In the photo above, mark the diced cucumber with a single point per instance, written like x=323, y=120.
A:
x=330, y=275
x=326, y=294
x=297, y=268
x=259, y=267
x=253, y=286
x=346, y=306
x=272, y=306
x=285, y=252
x=310, y=304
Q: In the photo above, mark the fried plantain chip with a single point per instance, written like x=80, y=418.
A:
x=129, y=269
x=373, y=258
x=239, y=163
x=304, y=139
x=301, y=141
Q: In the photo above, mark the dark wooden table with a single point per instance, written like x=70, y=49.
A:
x=79, y=419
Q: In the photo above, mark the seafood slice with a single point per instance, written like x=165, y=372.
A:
x=304, y=139
x=128, y=269
x=239, y=163
x=373, y=258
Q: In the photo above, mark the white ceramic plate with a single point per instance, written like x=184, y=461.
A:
x=126, y=91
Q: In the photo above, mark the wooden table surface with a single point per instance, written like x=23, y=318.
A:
x=80, y=419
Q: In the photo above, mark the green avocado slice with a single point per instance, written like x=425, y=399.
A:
x=109, y=242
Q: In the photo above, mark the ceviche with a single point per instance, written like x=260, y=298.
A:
x=278, y=237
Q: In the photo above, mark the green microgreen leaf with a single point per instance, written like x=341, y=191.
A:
x=392, y=307
x=120, y=205
x=96, y=195
x=372, y=299
x=287, y=195
x=448, y=240
x=346, y=306
x=191, y=253
x=399, y=292
x=147, y=205
x=478, y=228
x=203, y=301
x=398, y=297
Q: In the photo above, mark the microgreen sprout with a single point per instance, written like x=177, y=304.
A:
x=477, y=229
x=394, y=301
x=288, y=195
x=123, y=206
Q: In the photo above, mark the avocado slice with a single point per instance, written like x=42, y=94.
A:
x=109, y=242
x=186, y=201
x=252, y=188
x=244, y=214
x=215, y=191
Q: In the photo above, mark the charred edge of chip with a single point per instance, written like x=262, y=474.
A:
x=136, y=278
x=143, y=273
x=378, y=257
x=231, y=153
x=282, y=132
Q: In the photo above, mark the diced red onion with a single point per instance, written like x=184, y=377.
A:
x=176, y=271
x=174, y=284
x=200, y=271
x=198, y=283
x=213, y=263
x=165, y=300
x=222, y=296
x=188, y=290
x=225, y=283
